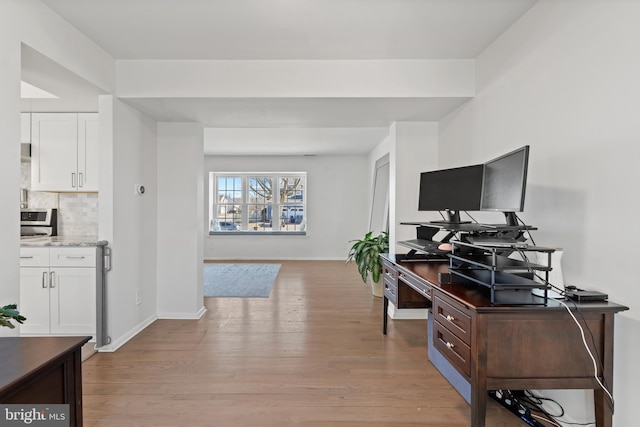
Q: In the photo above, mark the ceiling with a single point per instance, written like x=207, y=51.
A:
x=290, y=29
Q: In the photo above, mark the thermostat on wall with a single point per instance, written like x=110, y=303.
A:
x=140, y=189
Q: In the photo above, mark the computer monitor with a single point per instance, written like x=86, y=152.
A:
x=451, y=190
x=505, y=182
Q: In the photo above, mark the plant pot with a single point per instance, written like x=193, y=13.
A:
x=376, y=287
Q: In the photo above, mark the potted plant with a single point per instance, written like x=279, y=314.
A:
x=366, y=253
x=8, y=313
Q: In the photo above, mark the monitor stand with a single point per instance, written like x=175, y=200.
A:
x=453, y=218
x=511, y=218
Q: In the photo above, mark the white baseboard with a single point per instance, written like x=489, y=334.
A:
x=114, y=345
x=183, y=316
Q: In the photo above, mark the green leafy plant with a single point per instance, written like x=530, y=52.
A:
x=8, y=313
x=366, y=253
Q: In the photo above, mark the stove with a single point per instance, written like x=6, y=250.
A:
x=38, y=222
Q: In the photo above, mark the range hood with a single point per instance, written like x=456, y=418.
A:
x=25, y=152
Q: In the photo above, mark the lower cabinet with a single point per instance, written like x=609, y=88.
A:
x=58, y=290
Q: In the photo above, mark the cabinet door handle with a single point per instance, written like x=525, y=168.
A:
x=450, y=318
x=44, y=280
x=52, y=280
x=73, y=179
x=80, y=180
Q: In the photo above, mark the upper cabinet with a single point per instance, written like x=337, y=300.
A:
x=64, y=152
x=88, y=151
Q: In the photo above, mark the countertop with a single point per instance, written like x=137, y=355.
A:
x=38, y=241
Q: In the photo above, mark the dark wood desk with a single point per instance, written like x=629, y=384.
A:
x=506, y=347
x=43, y=370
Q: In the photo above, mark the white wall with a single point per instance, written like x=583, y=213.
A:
x=128, y=221
x=416, y=150
x=9, y=171
x=29, y=22
x=180, y=218
x=564, y=79
x=32, y=23
x=337, y=208
x=39, y=27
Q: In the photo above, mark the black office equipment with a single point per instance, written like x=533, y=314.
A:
x=504, y=184
x=581, y=295
x=451, y=190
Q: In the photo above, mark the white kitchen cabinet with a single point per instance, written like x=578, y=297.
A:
x=64, y=152
x=58, y=290
x=34, y=299
x=88, y=151
x=25, y=128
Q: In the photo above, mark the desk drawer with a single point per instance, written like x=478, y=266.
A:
x=389, y=272
x=450, y=314
x=390, y=291
x=421, y=286
x=451, y=347
x=390, y=281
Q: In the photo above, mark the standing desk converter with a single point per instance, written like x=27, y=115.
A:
x=479, y=346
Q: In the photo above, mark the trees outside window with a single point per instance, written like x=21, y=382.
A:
x=257, y=202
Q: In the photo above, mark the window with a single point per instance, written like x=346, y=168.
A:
x=271, y=203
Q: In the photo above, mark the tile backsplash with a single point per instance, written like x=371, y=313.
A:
x=77, y=212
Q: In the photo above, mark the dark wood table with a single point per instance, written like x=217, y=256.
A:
x=43, y=370
x=502, y=347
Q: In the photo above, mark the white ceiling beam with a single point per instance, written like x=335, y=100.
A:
x=295, y=78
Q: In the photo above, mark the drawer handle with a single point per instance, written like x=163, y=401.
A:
x=27, y=257
x=449, y=345
x=74, y=257
x=450, y=318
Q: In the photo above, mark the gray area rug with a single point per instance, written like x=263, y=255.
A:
x=242, y=280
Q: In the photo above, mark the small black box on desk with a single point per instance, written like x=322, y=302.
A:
x=585, y=296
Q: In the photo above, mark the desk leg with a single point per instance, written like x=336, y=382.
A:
x=604, y=414
x=479, y=374
x=385, y=307
x=601, y=401
x=478, y=404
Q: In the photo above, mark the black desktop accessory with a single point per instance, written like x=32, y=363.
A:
x=580, y=295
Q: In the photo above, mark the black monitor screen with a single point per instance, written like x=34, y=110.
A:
x=457, y=189
x=505, y=181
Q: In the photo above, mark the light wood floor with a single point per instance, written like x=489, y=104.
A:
x=310, y=355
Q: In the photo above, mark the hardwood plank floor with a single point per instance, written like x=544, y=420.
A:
x=310, y=355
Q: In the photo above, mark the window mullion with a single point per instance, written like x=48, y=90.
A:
x=276, y=203
x=245, y=202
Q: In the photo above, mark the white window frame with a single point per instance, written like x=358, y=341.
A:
x=277, y=223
